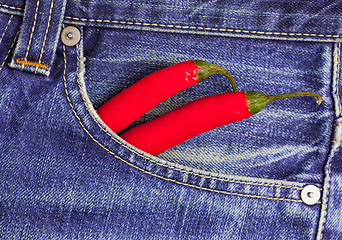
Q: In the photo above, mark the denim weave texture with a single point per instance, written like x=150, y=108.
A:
x=65, y=175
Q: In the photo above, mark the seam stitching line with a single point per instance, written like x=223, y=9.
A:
x=8, y=23
x=10, y=7
x=11, y=47
x=174, y=168
x=192, y=27
x=32, y=30
x=195, y=174
x=338, y=76
x=325, y=206
x=337, y=85
x=149, y=173
x=45, y=37
x=205, y=28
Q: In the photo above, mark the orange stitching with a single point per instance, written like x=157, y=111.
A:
x=33, y=64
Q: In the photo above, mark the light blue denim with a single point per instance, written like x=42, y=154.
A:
x=65, y=175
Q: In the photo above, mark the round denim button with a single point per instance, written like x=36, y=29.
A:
x=310, y=194
x=70, y=36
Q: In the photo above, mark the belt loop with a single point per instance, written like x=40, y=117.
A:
x=39, y=35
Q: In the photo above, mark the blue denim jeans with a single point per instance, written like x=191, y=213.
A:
x=65, y=175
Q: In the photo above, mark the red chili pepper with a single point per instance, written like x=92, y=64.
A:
x=199, y=116
x=129, y=105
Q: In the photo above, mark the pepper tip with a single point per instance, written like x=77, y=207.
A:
x=319, y=101
x=319, y=98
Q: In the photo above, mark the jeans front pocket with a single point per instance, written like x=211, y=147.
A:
x=288, y=140
x=222, y=203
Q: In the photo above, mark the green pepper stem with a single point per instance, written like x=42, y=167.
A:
x=257, y=101
x=296, y=94
x=208, y=69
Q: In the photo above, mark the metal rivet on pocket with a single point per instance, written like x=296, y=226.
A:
x=310, y=194
x=70, y=36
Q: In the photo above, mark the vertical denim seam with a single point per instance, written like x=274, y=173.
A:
x=327, y=184
x=11, y=47
x=325, y=205
x=31, y=35
x=338, y=67
x=45, y=36
x=338, y=76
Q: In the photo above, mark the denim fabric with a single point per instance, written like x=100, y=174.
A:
x=65, y=175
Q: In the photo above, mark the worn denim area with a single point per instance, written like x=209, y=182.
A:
x=65, y=175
